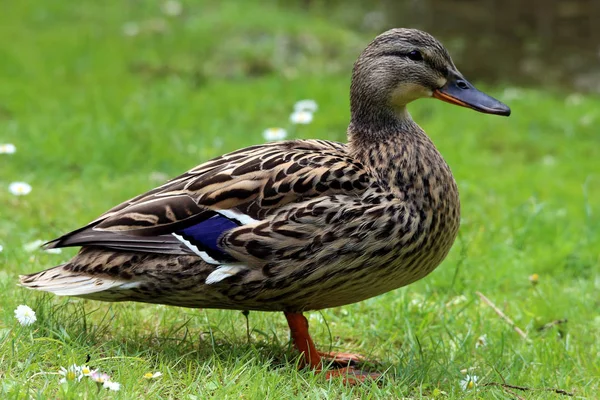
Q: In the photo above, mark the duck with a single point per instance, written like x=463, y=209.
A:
x=298, y=225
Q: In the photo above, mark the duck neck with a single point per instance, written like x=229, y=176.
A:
x=379, y=124
x=394, y=148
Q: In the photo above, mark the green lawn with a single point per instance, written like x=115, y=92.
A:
x=98, y=116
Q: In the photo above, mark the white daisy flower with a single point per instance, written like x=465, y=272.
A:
x=1, y=248
x=33, y=246
x=99, y=377
x=25, y=315
x=481, y=341
x=306, y=105
x=8, y=148
x=301, y=117
x=86, y=371
x=19, y=188
x=110, y=385
x=70, y=374
x=150, y=375
x=273, y=134
x=172, y=8
x=53, y=251
x=131, y=29
x=469, y=382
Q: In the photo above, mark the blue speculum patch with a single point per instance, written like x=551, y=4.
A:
x=205, y=235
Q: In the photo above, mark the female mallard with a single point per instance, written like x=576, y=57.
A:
x=297, y=225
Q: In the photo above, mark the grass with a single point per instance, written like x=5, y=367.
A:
x=98, y=117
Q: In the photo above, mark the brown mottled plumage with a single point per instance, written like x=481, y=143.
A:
x=321, y=224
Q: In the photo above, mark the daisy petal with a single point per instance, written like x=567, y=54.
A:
x=273, y=134
x=306, y=105
x=8, y=148
x=19, y=188
x=301, y=117
x=25, y=315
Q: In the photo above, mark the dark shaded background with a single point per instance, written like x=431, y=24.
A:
x=553, y=43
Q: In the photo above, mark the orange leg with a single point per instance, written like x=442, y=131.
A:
x=302, y=340
x=314, y=359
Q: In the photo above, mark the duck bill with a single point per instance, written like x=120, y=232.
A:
x=461, y=92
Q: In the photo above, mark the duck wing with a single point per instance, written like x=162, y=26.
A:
x=190, y=214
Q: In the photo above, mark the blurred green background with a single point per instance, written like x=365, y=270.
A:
x=105, y=100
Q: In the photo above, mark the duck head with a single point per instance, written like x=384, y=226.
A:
x=402, y=65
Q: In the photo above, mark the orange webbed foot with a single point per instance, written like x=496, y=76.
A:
x=344, y=364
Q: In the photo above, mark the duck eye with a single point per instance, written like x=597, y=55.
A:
x=415, y=55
